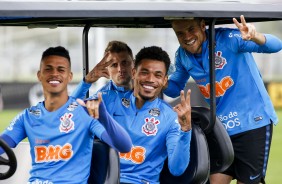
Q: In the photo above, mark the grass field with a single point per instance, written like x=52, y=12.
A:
x=274, y=172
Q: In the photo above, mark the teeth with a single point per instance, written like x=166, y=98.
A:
x=190, y=43
x=148, y=87
x=54, y=82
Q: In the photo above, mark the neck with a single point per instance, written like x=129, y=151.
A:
x=54, y=102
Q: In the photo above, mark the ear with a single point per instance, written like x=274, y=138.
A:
x=203, y=25
x=133, y=73
x=38, y=75
x=165, y=82
x=70, y=76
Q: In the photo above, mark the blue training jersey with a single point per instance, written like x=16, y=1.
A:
x=60, y=142
x=242, y=101
x=155, y=134
x=83, y=87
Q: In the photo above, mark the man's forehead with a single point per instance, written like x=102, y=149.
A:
x=55, y=61
x=119, y=57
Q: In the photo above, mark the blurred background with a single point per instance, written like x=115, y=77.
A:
x=21, y=49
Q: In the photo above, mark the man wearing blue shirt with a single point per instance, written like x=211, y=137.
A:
x=157, y=131
x=242, y=102
x=116, y=65
x=59, y=130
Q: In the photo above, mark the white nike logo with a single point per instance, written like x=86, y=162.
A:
x=254, y=177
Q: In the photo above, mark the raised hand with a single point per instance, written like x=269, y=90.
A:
x=92, y=106
x=183, y=110
x=248, y=31
x=100, y=70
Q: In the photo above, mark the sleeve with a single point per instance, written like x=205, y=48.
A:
x=237, y=44
x=11, y=143
x=178, y=148
x=15, y=131
x=272, y=44
x=81, y=90
x=178, y=79
x=114, y=135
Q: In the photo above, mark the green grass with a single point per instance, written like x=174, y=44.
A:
x=273, y=175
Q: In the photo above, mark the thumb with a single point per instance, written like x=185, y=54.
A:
x=81, y=102
x=99, y=97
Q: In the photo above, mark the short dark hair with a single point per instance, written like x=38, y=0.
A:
x=117, y=47
x=154, y=53
x=56, y=51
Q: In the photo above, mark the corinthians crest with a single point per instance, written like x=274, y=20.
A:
x=125, y=102
x=150, y=126
x=220, y=61
x=66, y=123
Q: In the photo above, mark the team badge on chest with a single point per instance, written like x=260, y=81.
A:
x=150, y=126
x=125, y=102
x=220, y=61
x=154, y=112
x=72, y=106
x=66, y=123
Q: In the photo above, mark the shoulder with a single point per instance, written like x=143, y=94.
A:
x=227, y=32
x=106, y=87
x=166, y=109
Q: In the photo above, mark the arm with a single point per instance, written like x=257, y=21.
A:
x=178, y=148
x=100, y=70
x=267, y=43
x=114, y=135
x=179, y=145
x=81, y=90
x=178, y=79
x=11, y=143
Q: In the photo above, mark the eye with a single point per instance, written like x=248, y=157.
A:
x=48, y=69
x=191, y=29
x=114, y=65
x=179, y=34
x=159, y=75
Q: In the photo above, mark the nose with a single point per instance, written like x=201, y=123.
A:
x=150, y=78
x=187, y=35
x=121, y=68
x=54, y=71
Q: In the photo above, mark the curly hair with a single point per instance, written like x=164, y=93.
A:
x=154, y=53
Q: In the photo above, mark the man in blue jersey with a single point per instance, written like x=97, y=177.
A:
x=242, y=102
x=157, y=131
x=60, y=131
x=116, y=65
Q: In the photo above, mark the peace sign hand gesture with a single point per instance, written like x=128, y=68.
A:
x=248, y=31
x=100, y=70
x=183, y=110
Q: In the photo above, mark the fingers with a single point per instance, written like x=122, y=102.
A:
x=188, y=97
x=81, y=102
x=236, y=23
x=182, y=97
x=185, y=101
x=99, y=97
x=107, y=60
x=92, y=106
x=243, y=21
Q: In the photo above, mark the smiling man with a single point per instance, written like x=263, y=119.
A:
x=59, y=130
x=157, y=131
x=242, y=102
